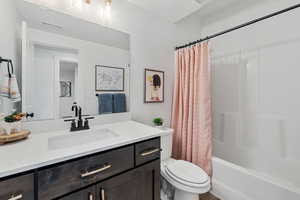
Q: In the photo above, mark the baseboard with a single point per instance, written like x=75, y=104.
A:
x=224, y=192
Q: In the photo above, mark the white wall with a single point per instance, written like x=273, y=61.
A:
x=9, y=24
x=152, y=43
x=89, y=55
x=256, y=102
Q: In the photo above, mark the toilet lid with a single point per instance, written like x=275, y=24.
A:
x=187, y=172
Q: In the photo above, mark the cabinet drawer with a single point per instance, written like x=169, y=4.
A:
x=85, y=194
x=20, y=188
x=147, y=151
x=65, y=178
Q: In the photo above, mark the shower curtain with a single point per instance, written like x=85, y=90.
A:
x=191, y=110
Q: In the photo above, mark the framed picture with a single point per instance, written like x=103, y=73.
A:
x=65, y=89
x=109, y=79
x=154, y=86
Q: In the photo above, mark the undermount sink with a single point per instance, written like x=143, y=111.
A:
x=80, y=138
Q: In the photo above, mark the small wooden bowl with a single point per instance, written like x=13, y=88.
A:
x=14, y=137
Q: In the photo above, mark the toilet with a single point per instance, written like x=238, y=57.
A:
x=189, y=180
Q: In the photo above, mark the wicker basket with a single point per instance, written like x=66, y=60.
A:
x=14, y=137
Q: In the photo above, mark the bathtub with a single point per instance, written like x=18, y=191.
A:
x=232, y=182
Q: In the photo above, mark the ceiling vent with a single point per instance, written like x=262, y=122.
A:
x=52, y=25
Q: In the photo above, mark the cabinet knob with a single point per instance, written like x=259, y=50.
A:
x=16, y=197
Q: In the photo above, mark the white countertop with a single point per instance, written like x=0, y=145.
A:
x=35, y=152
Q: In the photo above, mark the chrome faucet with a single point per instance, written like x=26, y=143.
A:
x=80, y=124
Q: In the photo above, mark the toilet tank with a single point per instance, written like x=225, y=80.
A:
x=166, y=144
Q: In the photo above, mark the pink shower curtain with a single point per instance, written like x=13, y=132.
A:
x=191, y=112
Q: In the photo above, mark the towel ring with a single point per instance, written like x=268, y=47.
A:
x=10, y=66
x=8, y=69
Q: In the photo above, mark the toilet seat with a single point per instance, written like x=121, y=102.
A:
x=187, y=173
x=185, y=176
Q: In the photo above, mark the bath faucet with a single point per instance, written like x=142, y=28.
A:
x=75, y=109
x=80, y=124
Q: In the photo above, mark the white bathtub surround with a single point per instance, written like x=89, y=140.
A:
x=232, y=182
x=36, y=152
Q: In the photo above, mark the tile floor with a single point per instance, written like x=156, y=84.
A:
x=208, y=196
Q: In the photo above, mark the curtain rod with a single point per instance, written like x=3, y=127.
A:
x=239, y=26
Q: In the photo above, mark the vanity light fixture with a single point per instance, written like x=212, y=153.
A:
x=107, y=9
x=108, y=4
x=77, y=4
x=104, y=8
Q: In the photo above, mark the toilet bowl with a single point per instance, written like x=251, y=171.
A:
x=188, y=179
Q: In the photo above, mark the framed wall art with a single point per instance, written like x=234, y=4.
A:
x=154, y=86
x=65, y=89
x=109, y=79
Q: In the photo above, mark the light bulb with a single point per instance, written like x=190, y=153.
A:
x=101, y=13
x=107, y=9
x=77, y=4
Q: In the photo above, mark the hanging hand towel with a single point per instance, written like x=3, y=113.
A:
x=119, y=102
x=105, y=103
x=9, y=87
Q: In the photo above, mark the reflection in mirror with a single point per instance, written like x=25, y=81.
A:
x=66, y=60
x=48, y=66
x=68, y=73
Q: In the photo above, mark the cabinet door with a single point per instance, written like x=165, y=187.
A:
x=86, y=194
x=19, y=188
x=149, y=181
x=142, y=183
x=122, y=187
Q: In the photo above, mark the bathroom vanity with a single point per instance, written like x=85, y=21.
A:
x=126, y=167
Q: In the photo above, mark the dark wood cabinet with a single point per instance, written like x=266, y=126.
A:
x=142, y=183
x=126, y=173
x=147, y=151
x=123, y=187
x=86, y=194
x=59, y=180
x=149, y=180
x=19, y=188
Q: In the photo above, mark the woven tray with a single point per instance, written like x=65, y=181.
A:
x=14, y=137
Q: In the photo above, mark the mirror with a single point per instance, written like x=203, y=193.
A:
x=66, y=61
